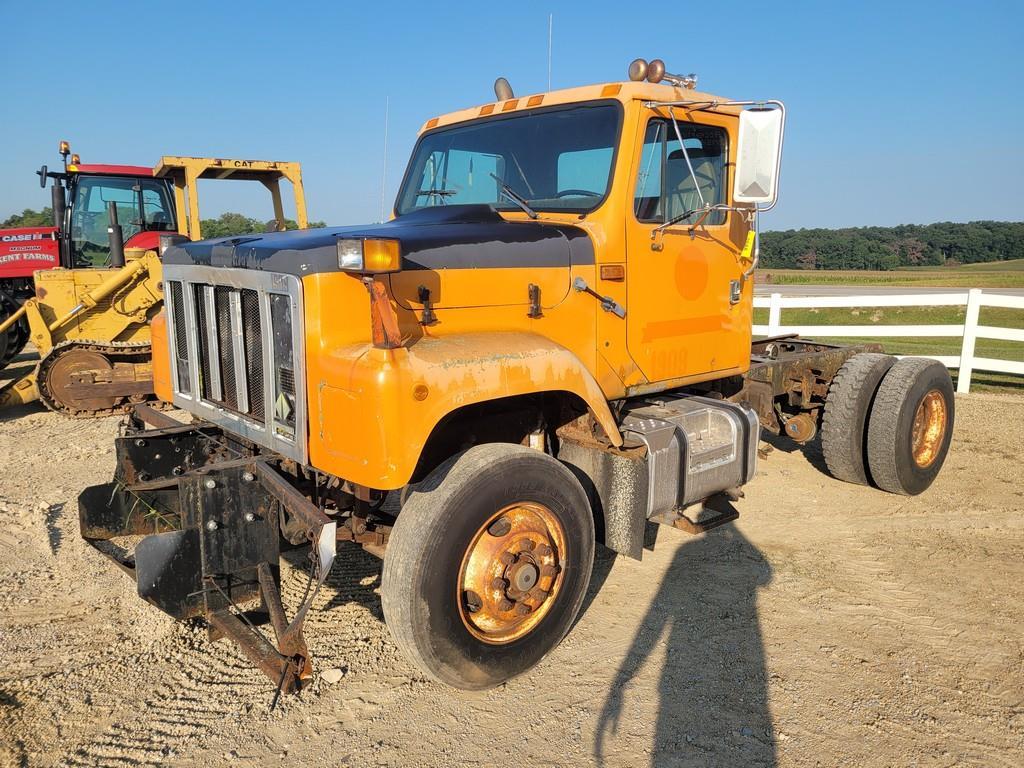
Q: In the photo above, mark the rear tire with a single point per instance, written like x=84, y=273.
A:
x=847, y=406
x=454, y=527
x=13, y=340
x=911, y=426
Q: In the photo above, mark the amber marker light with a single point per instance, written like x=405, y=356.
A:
x=369, y=255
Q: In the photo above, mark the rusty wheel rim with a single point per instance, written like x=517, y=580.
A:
x=511, y=573
x=929, y=428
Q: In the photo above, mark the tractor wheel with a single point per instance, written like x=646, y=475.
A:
x=487, y=565
x=844, y=426
x=13, y=340
x=911, y=426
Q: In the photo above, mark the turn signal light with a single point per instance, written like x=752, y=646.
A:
x=369, y=255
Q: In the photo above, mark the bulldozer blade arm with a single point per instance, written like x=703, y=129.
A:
x=19, y=392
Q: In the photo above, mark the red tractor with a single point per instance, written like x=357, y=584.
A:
x=79, y=238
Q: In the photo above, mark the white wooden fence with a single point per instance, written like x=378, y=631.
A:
x=970, y=331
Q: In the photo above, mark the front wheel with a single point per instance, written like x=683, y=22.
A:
x=487, y=565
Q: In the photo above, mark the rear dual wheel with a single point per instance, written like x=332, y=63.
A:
x=487, y=565
x=888, y=422
x=911, y=426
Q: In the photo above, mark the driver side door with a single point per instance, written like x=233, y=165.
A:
x=685, y=318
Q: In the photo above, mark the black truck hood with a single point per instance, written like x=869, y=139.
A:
x=442, y=237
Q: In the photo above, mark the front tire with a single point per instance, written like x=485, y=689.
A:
x=487, y=565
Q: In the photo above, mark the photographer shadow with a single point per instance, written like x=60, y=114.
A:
x=712, y=692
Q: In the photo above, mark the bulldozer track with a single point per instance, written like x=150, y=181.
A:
x=114, y=351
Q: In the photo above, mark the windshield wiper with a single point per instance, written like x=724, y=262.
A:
x=515, y=197
x=441, y=193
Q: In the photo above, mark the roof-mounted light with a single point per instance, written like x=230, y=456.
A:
x=369, y=255
x=64, y=148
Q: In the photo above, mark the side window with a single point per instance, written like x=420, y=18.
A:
x=668, y=186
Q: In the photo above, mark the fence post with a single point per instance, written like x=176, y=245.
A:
x=963, y=379
x=775, y=314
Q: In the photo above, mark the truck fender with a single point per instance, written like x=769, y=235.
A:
x=394, y=398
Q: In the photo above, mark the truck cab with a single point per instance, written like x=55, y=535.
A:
x=546, y=347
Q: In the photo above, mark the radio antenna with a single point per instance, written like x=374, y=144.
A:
x=551, y=21
x=384, y=169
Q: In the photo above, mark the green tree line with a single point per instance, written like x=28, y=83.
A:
x=225, y=225
x=884, y=248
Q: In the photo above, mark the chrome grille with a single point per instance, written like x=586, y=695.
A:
x=252, y=341
x=222, y=298
x=177, y=308
x=237, y=338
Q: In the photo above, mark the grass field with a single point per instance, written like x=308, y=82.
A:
x=993, y=316
x=995, y=274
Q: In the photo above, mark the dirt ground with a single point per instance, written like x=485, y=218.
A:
x=832, y=625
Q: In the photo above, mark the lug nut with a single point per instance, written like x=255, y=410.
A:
x=549, y=571
x=211, y=525
x=505, y=605
x=543, y=550
x=506, y=558
x=523, y=609
x=499, y=583
x=527, y=545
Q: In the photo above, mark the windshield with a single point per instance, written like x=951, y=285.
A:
x=553, y=160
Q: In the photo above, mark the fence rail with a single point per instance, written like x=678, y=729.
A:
x=970, y=331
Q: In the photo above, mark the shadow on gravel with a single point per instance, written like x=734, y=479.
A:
x=53, y=532
x=713, y=702
x=812, y=451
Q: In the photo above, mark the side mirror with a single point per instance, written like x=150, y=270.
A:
x=42, y=176
x=758, y=156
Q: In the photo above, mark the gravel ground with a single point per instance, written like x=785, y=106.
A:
x=832, y=625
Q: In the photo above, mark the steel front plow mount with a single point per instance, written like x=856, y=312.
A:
x=212, y=512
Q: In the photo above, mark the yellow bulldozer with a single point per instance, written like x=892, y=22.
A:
x=91, y=325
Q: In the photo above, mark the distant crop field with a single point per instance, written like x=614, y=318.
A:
x=995, y=274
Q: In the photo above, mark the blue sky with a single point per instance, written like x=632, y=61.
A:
x=899, y=112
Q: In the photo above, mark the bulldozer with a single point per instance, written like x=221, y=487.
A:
x=91, y=324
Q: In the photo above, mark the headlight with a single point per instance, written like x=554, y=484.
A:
x=369, y=255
